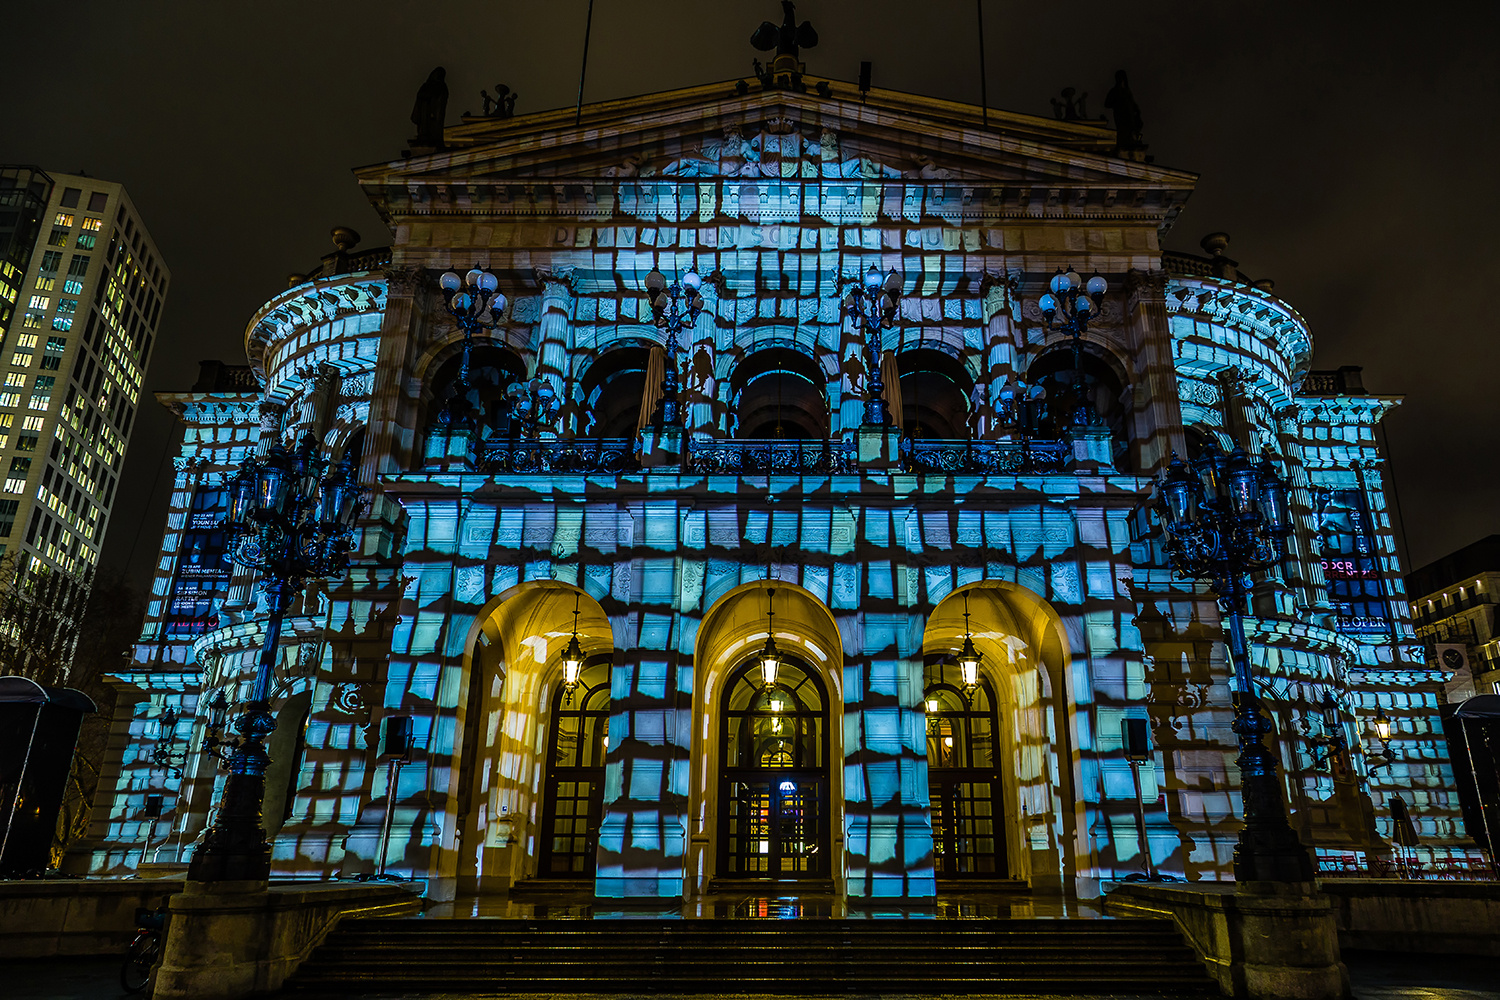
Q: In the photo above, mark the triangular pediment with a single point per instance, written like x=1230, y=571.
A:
x=844, y=141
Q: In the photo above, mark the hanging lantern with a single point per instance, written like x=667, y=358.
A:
x=1382, y=726
x=572, y=659
x=968, y=657
x=770, y=656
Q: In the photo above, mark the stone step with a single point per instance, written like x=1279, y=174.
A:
x=784, y=957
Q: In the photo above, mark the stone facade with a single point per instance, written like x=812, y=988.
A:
x=873, y=540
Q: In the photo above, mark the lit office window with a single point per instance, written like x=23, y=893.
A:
x=20, y=359
x=92, y=225
x=63, y=219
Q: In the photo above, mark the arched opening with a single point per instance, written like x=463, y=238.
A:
x=774, y=775
x=1010, y=733
x=779, y=392
x=492, y=369
x=733, y=632
x=524, y=739
x=963, y=782
x=1098, y=398
x=935, y=391
x=573, y=802
x=612, y=389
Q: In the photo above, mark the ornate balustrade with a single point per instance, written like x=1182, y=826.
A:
x=1002, y=458
x=786, y=456
x=573, y=455
x=773, y=455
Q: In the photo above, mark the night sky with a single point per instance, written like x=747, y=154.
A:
x=1348, y=152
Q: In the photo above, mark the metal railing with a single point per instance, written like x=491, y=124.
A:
x=573, y=455
x=985, y=457
x=792, y=456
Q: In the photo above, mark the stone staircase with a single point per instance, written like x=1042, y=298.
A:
x=790, y=957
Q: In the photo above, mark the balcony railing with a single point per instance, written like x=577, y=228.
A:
x=575, y=455
x=998, y=458
x=775, y=455
x=778, y=456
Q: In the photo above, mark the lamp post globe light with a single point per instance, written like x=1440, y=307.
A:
x=534, y=404
x=1225, y=518
x=291, y=519
x=674, y=307
x=1068, y=305
x=872, y=301
x=468, y=298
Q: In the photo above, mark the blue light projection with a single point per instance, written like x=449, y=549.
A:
x=459, y=607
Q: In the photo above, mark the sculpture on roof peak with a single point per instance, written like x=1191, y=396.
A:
x=1127, y=115
x=788, y=39
x=430, y=110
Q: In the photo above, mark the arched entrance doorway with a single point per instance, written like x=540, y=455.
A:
x=573, y=801
x=1003, y=801
x=526, y=746
x=774, y=775
x=963, y=782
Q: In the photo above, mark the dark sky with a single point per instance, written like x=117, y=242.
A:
x=1348, y=149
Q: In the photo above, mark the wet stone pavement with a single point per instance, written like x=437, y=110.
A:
x=1376, y=976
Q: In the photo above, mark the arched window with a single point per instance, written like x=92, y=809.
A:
x=573, y=809
x=935, y=391
x=963, y=781
x=1101, y=399
x=779, y=393
x=773, y=811
x=613, y=387
x=491, y=370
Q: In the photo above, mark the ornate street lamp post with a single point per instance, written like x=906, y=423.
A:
x=674, y=308
x=533, y=405
x=872, y=301
x=1021, y=406
x=1224, y=519
x=468, y=298
x=1067, y=307
x=292, y=520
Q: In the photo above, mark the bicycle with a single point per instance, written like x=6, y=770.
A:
x=144, y=949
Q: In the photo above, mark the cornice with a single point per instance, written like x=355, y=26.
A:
x=312, y=303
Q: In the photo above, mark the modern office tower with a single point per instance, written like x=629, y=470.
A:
x=81, y=292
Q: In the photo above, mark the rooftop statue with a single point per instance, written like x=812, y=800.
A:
x=787, y=40
x=1127, y=114
x=502, y=105
x=1069, y=109
x=430, y=109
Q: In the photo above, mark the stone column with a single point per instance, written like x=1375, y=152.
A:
x=1002, y=355
x=1156, y=421
x=554, y=343
x=271, y=414
x=1304, y=568
x=394, y=395
x=319, y=400
x=699, y=382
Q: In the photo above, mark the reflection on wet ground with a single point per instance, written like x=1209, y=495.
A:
x=769, y=903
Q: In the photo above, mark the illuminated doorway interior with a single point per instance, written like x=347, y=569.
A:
x=574, y=805
x=774, y=786
x=962, y=780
